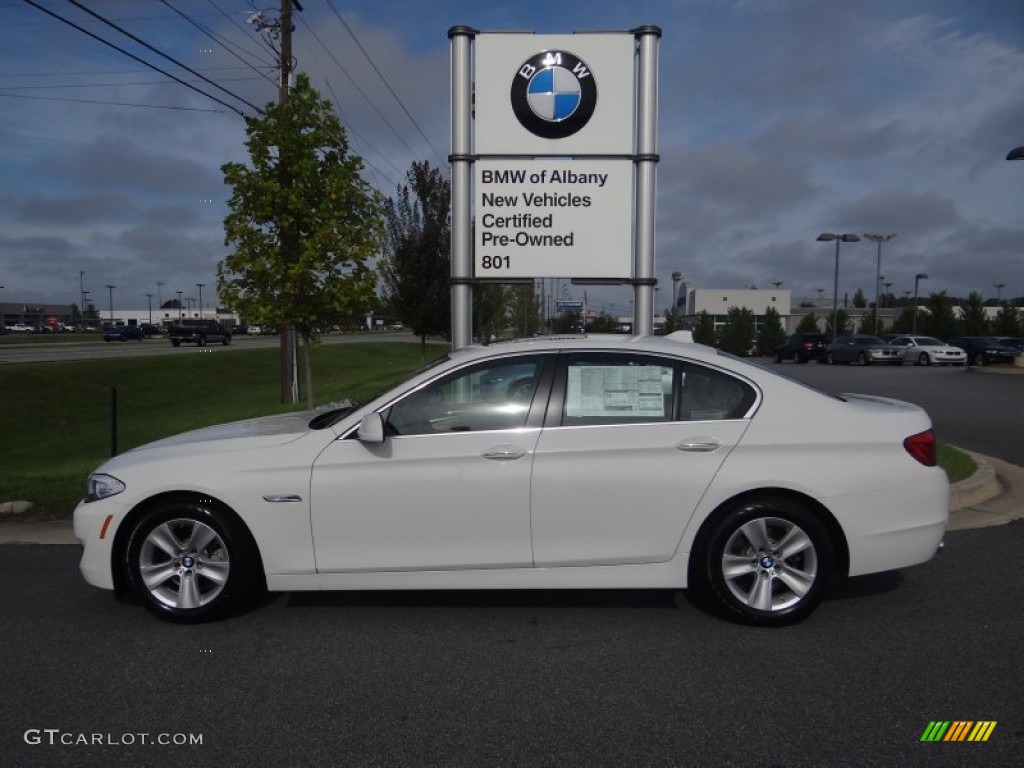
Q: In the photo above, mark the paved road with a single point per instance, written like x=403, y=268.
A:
x=66, y=352
x=976, y=410
x=534, y=679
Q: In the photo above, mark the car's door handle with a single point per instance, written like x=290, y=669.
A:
x=504, y=453
x=699, y=445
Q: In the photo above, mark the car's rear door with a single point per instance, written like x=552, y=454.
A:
x=630, y=444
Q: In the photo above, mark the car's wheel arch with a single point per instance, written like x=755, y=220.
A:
x=122, y=538
x=840, y=547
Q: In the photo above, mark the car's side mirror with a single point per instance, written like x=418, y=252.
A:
x=371, y=429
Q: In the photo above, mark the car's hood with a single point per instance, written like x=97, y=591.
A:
x=279, y=428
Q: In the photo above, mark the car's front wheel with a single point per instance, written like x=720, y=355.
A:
x=979, y=358
x=830, y=359
x=190, y=562
x=924, y=359
x=765, y=561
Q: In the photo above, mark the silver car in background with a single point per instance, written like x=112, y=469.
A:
x=862, y=349
x=927, y=350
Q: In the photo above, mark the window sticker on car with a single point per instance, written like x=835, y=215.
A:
x=611, y=390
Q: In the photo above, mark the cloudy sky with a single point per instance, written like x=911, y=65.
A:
x=779, y=120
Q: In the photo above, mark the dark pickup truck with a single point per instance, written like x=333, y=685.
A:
x=200, y=332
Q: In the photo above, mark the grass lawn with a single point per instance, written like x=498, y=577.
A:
x=55, y=417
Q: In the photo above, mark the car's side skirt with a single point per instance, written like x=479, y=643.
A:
x=667, y=575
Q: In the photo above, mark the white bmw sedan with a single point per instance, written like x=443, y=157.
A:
x=926, y=350
x=585, y=462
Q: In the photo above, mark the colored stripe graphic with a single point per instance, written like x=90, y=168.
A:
x=958, y=730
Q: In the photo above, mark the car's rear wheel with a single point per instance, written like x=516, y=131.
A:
x=924, y=359
x=778, y=357
x=226, y=340
x=830, y=359
x=201, y=342
x=764, y=561
x=190, y=562
x=175, y=343
x=979, y=359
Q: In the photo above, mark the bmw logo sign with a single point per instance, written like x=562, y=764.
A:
x=554, y=94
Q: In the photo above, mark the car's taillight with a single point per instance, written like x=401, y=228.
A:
x=922, y=447
x=808, y=345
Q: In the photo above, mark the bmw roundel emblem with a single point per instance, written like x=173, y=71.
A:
x=554, y=94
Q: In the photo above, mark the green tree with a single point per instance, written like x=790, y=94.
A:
x=673, y=322
x=417, y=253
x=939, y=320
x=302, y=222
x=704, y=330
x=523, y=310
x=842, y=324
x=603, y=323
x=973, y=320
x=808, y=324
x=738, y=332
x=905, y=322
x=859, y=300
x=772, y=334
x=1007, y=321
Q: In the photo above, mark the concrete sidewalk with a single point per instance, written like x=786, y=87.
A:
x=993, y=495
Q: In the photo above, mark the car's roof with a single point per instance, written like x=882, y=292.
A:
x=676, y=343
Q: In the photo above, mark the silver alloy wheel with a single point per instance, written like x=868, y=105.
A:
x=769, y=564
x=184, y=563
x=924, y=359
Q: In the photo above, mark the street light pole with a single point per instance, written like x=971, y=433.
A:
x=81, y=294
x=200, y=287
x=825, y=237
x=878, y=240
x=179, y=304
x=150, y=297
x=159, y=294
x=999, y=290
x=917, y=279
x=110, y=291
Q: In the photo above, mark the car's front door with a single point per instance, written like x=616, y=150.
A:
x=450, y=485
x=632, y=442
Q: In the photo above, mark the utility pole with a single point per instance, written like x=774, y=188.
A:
x=281, y=30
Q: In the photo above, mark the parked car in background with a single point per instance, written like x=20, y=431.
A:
x=20, y=328
x=254, y=330
x=925, y=350
x=1011, y=341
x=123, y=333
x=551, y=463
x=862, y=349
x=152, y=331
x=802, y=347
x=984, y=350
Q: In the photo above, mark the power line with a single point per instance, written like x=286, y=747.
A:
x=134, y=57
x=143, y=43
x=228, y=45
x=94, y=72
x=113, y=103
x=50, y=87
x=357, y=87
x=245, y=32
x=385, y=81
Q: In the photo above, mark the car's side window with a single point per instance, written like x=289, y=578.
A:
x=710, y=395
x=606, y=388
x=486, y=396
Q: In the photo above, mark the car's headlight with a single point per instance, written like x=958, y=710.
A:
x=100, y=486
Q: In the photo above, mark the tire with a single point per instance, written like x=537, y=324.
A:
x=175, y=343
x=201, y=341
x=979, y=358
x=765, y=561
x=924, y=359
x=862, y=359
x=189, y=562
x=226, y=340
x=830, y=359
x=778, y=357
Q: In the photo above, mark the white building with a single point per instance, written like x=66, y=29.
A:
x=718, y=301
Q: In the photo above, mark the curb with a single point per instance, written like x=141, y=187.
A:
x=980, y=487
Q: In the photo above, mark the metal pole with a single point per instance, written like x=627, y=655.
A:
x=113, y=421
x=646, y=182
x=462, y=165
x=835, y=293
